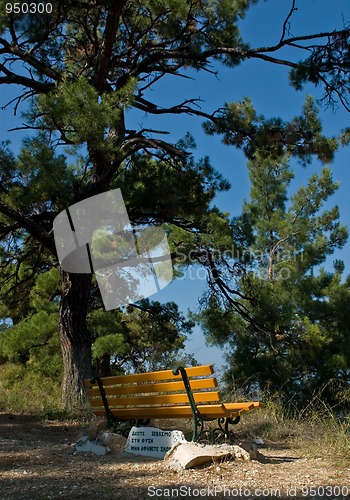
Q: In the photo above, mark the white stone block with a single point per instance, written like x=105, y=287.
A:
x=152, y=442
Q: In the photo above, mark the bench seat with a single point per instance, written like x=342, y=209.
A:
x=207, y=411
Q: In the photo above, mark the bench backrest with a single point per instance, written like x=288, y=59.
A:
x=156, y=389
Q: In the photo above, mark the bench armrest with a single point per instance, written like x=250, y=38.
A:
x=195, y=412
x=110, y=418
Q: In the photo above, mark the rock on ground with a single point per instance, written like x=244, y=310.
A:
x=188, y=455
x=116, y=442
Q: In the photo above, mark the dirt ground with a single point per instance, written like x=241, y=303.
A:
x=38, y=461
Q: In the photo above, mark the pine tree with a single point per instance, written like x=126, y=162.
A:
x=273, y=304
x=80, y=68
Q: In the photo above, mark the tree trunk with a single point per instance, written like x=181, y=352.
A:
x=75, y=338
x=104, y=366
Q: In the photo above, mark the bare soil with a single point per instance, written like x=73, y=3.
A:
x=38, y=461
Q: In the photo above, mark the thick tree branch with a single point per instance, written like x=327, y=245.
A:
x=302, y=38
x=13, y=78
x=111, y=30
x=182, y=108
x=243, y=53
x=25, y=56
x=29, y=225
x=137, y=143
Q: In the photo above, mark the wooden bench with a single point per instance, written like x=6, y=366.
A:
x=128, y=400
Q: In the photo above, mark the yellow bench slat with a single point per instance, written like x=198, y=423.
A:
x=239, y=406
x=203, y=383
x=157, y=400
x=243, y=406
x=192, y=371
x=210, y=411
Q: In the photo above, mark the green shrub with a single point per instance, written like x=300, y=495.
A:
x=25, y=390
x=319, y=430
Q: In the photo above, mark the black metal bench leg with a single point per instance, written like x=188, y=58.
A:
x=219, y=433
x=231, y=421
x=111, y=421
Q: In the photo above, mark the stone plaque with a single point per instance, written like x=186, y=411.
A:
x=152, y=442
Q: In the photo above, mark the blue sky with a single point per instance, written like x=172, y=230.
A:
x=268, y=87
